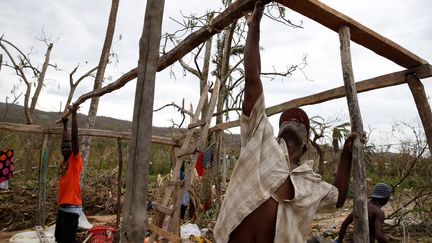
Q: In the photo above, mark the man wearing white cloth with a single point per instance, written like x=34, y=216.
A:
x=272, y=195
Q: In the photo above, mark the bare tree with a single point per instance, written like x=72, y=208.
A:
x=318, y=128
x=94, y=103
x=14, y=101
x=31, y=75
x=28, y=72
x=74, y=84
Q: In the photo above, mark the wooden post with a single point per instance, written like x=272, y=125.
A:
x=42, y=180
x=224, y=172
x=423, y=108
x=361, y=226
x=119, y=183
x=135, y=217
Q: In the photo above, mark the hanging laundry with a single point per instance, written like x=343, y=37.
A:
x=199, y=164
x=208, y=156
x=6, y=165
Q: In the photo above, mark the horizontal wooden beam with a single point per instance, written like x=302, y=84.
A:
x=168, y=235
x=387, y=80
x=360, y=34
x=15, y=127
x=163, y=209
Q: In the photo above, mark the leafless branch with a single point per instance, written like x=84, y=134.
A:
x=412, y=164
x=179, y=108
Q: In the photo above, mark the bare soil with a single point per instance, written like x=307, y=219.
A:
x=18, y=209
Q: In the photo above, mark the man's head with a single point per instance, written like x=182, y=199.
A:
x=66, y=149
x=294, y=125
x=381, y=193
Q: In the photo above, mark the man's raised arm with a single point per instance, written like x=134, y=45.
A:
x=74, y=132
x=252, y=62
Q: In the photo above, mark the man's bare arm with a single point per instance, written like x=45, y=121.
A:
x=348, y=220
x=343, y=174
x=74, y=135
x=252, y=61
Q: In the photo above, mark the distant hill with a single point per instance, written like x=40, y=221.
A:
x=15, y=114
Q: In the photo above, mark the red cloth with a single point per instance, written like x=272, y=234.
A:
x=6, y=165
x=199, y=164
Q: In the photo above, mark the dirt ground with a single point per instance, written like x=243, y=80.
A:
x=18, y=213
x=326, y=225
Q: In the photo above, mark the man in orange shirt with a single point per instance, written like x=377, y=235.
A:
x=69, y=189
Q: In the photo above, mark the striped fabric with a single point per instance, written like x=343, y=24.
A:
x=261, y=168
x=208, y=156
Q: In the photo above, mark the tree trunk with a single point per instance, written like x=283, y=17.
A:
x=103, y=61
x=206, y=182
x=41, y=80
x=135, y=219
x=361, y=224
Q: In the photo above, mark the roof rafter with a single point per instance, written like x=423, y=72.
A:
x=360, y=34
x=383, y=81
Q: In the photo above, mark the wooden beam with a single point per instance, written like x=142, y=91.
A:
x=163, y=209
x=168, y=235
x=360, y=34
x=423, y=107
x=220, y=22
x=15, y=127
x=119, y=181
x=383, y=81
x=135, y=218
x=359, y=185
x=43, y=168
x=387, y=80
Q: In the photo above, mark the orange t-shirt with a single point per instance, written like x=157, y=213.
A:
x=69, y=189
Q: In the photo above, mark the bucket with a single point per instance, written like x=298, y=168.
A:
x=102, y=234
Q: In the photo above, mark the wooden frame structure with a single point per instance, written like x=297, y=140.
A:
x=43, y=165
x=349, y=30
x=416, y=67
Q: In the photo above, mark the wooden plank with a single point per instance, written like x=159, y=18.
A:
x=359, y=185
x=423, y=107
x=170, y=236
x=43, y=168
x=360, y=34
x=15, y=127
x=158, y=218
x=41, y=234
x=175, y=183
x=119, y=181
x=200, y=147
x=196, y=124
x=163, y=209
x=383, y=81
x=135, y=216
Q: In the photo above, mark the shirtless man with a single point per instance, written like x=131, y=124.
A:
x=380, y=196
x=272, y=195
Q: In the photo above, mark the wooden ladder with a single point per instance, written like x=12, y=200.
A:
x=175, y=188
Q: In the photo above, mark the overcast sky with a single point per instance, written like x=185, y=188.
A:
x=78, y=28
